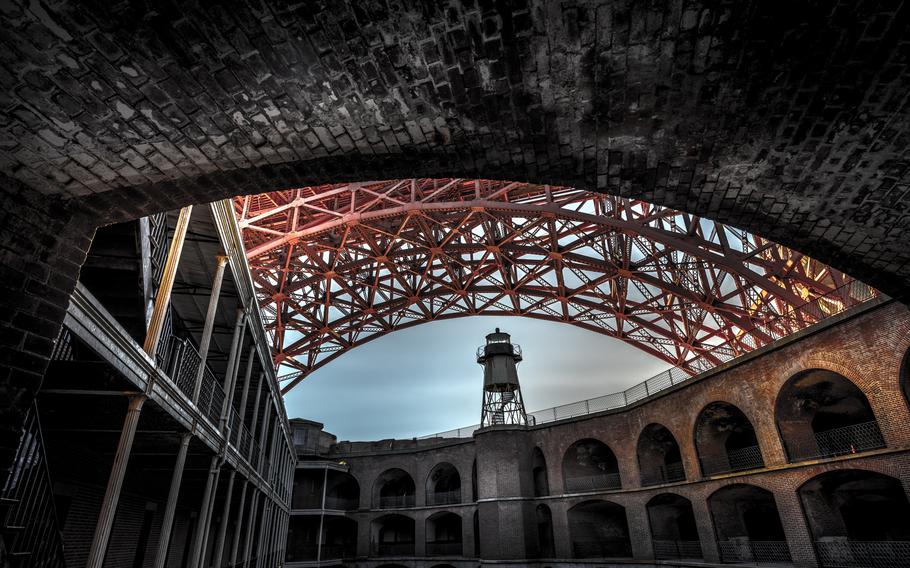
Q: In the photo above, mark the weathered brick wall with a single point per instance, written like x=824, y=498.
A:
x=43, y=242
x=868, y=349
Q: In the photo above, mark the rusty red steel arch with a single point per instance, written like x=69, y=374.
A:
x=338, y=265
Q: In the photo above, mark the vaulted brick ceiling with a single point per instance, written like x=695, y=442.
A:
x=789, y=120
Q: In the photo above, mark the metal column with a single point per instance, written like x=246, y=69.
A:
x=222, y=527
x=167, y=523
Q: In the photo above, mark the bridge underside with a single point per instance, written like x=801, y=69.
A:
x=339, y=265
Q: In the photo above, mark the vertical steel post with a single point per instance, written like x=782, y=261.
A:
x=205, y=512
x=222, y=527
x=251, y=526
x=254, y=421
x=230, y=373
x=115, y=483
x=168, y=522
x=325, y=481
x=246, y=386
x=209, y=325
x=235, y=541
x=163, y=299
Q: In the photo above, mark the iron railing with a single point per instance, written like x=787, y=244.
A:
x=781, y=326
x=677, y=549
x=338, y=551
x=667, y=473
x=396, y=501
x=735, y=460
x=444, y=497
x=602, y=548
x=306, y=501
x=836, y=442
x=28, y=517
x=341, y=503
x=843, y=553
x=743, y=550
x=393, y=548
x=444, y=548
x=593, y=482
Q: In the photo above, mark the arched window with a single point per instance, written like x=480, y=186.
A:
x=545, y=541
x=393, y=535
x=599, y=529
x=659, y=459
x=477, y=553
x=590, y=465
x=539, y=472
x=394, y=488
x=443, y=485
x=725, y=440
x=339, y=538
x=673, y=529
x=856, y=515
x=303, y=535
x=474, y=481
x=444, y=534
x=905, y=376
x=342, y=492
x=748, y=525
x=822, y=414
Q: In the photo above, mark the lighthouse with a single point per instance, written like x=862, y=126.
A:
x=502, y=404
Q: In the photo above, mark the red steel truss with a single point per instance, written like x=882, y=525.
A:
x=339, y=265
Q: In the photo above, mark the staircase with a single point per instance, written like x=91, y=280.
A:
x=29, y=533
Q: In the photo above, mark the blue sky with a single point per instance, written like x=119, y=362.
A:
x=424, y=379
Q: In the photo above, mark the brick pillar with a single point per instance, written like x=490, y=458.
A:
x=799, y=538
x=639, y=529
x=503, y=470
x=43, y=243
x=705, y=525
x=467, y=533
x=562, y=540
x=420, y=533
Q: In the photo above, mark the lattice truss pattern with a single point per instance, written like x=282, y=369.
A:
x=339, y=265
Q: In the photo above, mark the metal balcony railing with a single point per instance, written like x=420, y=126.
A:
x=444, y=497
x=393, y=548
x=735, y=460
x=338, y=551
x=844, y=553
x=444, y=548
x=677, y=549
x=602, y=548
x=28, y=517
x=743, y=550
x=779, y=327
x=396, y=501
x=341, y=503
x=180, y=360
x=306, y=501
x=593, y=482
x=669, y=473
x=841, y=441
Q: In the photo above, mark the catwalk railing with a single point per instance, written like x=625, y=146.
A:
x=667, y=473
x=444, y=497
x=743, y=550
x=776, y=329
x=28, y=518
x=677, y=549
x=739, y=459
x=844, y=553
x=602, y=548
x=593, y=482
x=841, y=441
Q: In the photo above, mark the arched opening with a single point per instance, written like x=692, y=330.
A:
x=659, y=459
x=392, y=535
x=545, y=541
x=342, y=492
x=474, y=481
x=339, y=538
x=444, y=534
x=822, y=414
x=905, y=376
x=477, y=552
x=394, y=488
x=599, y=529
x=589, y=465
x=673, y=529
x=539, y=473
x=748, y=525
x=857, y=518
x=443, y=485
x=725, y=440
